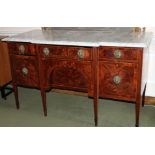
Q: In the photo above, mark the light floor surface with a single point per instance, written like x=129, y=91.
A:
x=69, y=111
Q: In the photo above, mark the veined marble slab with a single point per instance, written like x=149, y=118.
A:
x=84, y=38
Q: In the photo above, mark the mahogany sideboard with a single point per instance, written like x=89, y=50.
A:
x=111, y=72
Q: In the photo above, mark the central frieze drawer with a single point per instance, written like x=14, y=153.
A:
x=25, y=70
x=118, y=53
x=65, y=52
x=50, y=51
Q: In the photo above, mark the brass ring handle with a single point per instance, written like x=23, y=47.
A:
x=21, y=49
x=25, y=71
x=117, y=79
x=80, y=53
x=46, y=51
x=117, y=54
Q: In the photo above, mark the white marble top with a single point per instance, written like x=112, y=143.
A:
x=91, y=38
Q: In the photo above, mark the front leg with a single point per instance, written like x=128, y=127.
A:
x=96, y=111
x=15, y=89
x=43, y=95
x=95, y=83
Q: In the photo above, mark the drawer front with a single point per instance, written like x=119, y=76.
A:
x=48, y=51
x=80, y=53
x=118, y=80
x=22, y=49
x=25, y=70
x=118, y=53
x=65, y=52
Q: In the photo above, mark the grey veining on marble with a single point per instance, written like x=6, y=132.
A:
x=92, y=38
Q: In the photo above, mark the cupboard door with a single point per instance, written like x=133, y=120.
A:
x=67, y=74
x=25, y=70
x=118, y=80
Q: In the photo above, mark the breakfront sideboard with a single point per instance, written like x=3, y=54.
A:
x=102, y=71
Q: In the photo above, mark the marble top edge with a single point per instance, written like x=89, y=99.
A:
x=83, y=38
x=86, y=44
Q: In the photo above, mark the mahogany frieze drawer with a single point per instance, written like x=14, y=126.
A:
x=22, y=49
x=51, y=51
x=118, y=53
x=78, y=53
x=25, y=70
